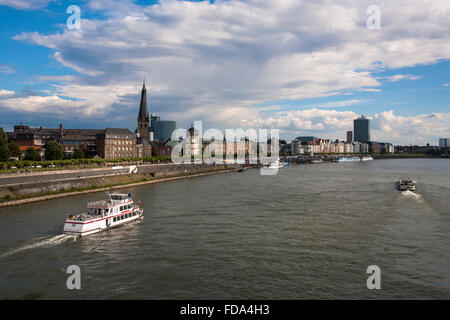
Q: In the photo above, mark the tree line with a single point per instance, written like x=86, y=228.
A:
x=53, y=151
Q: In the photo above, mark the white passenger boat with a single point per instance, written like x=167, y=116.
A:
x=118, y=209
x=366, y=158
x=346, y=159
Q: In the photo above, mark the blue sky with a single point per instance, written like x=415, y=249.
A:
x=304, y=67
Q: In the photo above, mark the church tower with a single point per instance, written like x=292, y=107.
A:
x=143, y=118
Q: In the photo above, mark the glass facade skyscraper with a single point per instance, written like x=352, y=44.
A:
x=162, y=129
x=361, y=129
x=444, y=143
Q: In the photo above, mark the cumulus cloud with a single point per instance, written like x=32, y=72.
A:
x=399, y=77
x=4, y=92
x=217, y=61
x=42, y=104
x=385, y=126
x=420, y=129
x=25, y=4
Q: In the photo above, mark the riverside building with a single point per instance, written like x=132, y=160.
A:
x=361, y=129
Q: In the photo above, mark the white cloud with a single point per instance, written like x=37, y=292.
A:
x=4, y=92
x=25, y=4
x=50, y=105
x=399, y=77
x=386, y=126
x=420, y=129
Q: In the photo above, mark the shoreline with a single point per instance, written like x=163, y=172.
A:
x=32, y=199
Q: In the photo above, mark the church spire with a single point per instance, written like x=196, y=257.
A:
x=143, y=111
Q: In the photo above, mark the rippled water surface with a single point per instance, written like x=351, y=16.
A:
x=309, y=232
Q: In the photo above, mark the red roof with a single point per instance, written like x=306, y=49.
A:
x=23, y=148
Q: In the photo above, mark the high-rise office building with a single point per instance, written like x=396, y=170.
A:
x=361, y=129
x=349, y=136
x=161, y=130
x=444, y=143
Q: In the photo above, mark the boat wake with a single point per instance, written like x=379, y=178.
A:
x=412, y=195
x=41, y=243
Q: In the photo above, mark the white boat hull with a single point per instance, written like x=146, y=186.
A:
x=84, y=228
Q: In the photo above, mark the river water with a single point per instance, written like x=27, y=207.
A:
x=309, y=232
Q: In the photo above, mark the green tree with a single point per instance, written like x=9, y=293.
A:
x=32, y=154
x=154, y=149
x=14, y=150
x=3, y=137
x=79, y=153
x=4, y=149
x=4, y=153
x=53, y=151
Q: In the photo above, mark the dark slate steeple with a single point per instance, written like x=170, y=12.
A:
x=143, y=118
x=143, y=111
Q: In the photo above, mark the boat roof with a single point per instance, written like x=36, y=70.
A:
x=119, y=195
x=113, y=199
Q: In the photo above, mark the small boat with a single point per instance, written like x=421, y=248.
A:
x=241, y=170
x=315, y=161
x=275, y=165
x=366, y=158
x=406, y=184
x=117, y=210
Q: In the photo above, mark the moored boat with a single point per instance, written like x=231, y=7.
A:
x=118, y=209
x=276, y=165
x=366, y=158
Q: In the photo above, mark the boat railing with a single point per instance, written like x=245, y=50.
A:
x=98, y=204
x=83, y=217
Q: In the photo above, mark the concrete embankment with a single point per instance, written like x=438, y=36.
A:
x=79, y=183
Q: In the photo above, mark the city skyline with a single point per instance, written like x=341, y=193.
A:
x=289, y=67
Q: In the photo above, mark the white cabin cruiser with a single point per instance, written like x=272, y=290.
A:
x=366, y=158
x=406, y=184
x=118, y=209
